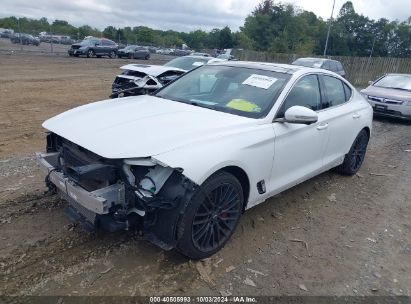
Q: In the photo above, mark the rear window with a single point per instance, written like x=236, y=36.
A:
x=311, y=63
x=335, y=91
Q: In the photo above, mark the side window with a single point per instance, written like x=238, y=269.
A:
x=347, y=91
x=305, y=93
x=334, y=92
x=339, y=66
x=107, y=42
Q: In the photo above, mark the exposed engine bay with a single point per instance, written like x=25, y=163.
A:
x=117, y=194
x=140, y=79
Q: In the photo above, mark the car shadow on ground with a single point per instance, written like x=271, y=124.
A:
x=392, y=120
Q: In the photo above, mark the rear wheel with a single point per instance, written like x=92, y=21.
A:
x=147, y=57
x=211, y=216
x=355, y=157
x=90, y=53
x=112, y=54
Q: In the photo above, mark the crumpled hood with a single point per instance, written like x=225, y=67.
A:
x=150, y=69
x=141, y=126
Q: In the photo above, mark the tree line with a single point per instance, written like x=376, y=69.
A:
x=273, y=27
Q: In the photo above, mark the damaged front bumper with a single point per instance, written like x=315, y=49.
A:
x=90, y=208
x=123, y=205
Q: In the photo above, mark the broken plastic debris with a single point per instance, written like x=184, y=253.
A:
x=249, y=282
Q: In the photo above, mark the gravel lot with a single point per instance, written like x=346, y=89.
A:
x=331, y=235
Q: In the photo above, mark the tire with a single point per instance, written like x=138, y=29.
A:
x=130, y=56
x=211, y=216
x=355, y=157
x=90, y=53
x=147, y=57
x=112, y=55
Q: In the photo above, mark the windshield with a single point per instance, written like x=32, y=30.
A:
x=241, y=91
x=129, y=47
x=310, y=63
x=187, y=63
x=402, y=82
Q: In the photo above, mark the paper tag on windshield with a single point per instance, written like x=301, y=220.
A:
x=260, y=81
x=197, y=63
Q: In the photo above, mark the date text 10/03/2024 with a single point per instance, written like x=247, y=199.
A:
x=203, y=299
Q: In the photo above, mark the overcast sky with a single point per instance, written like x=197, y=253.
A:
x=182, y=15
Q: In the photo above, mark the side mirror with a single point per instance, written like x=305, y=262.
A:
x=300, y=115
x=370, y=82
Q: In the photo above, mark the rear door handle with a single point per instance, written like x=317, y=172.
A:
x=322, y=126
x=356, y=115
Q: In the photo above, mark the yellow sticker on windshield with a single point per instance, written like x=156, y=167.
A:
x=243, y=105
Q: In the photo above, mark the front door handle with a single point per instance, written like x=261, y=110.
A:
x=322, y=126
x=356, y=115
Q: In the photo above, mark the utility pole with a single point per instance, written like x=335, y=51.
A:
x=18, y=26
x=329, y=29
x=51, y=40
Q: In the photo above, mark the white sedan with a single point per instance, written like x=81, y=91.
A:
x=183, y=164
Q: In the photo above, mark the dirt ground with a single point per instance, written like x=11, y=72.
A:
x=331, y=235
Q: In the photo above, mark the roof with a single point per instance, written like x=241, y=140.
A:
x=312, y=59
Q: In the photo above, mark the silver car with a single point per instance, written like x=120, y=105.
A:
x=390, y=95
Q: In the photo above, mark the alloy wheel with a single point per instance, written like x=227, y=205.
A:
x=216, y=218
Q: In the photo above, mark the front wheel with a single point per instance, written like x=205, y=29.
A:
x=90, y=53
x=211, y=216
x=355, y=157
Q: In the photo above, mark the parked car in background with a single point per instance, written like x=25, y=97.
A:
x=327, y=64
x=6, y=33
x=134, y=52
x=200, y=54
x=390, y=95
x=25, y=39
x=178, y=52
x=183, y=164
x=165, y=51
x=94, y=47
x=226, y=57
x=138, y=79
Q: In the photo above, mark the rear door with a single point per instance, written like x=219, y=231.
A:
x=342, y=115
x=299, y=148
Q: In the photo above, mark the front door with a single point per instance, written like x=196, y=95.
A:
x=299, y=148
